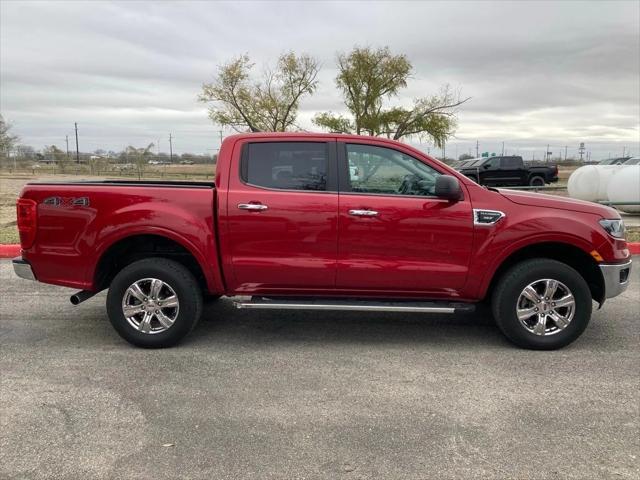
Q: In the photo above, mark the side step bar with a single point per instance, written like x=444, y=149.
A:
x=263, y=303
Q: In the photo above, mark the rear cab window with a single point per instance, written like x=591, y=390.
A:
x=286, y=165
x=511, y=163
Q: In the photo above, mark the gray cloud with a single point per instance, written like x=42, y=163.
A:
x=129, y=73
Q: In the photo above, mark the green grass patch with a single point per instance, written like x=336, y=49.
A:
x=633, y=235
x=9, y=235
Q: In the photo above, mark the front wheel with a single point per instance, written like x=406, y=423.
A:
x=154, y=302
x=542, y=304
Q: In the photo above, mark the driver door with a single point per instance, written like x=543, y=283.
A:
x=394, y=235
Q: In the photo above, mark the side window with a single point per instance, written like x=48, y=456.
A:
x=511, y=163
x=286, y=165
x=388, y=171
x=492, y=163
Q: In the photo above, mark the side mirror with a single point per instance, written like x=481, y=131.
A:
x=448, y=187
x=486, y=165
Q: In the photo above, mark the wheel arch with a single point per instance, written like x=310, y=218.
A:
x=566, y=253
x=125, y=250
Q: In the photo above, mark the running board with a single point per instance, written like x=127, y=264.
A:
x=263, y=303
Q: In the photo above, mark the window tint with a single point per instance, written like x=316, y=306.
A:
x=286, y=165
x=387, y=171
x=511, y=162
x=491, y=163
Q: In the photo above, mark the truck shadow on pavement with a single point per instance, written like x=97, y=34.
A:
x=222, y=320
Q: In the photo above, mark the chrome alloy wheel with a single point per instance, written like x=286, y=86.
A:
x=150, y=305
x=545, y=307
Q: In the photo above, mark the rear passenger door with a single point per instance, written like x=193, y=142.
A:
x=513, y=172
x=282, y=209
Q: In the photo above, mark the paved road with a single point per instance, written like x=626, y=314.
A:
x=311, y=395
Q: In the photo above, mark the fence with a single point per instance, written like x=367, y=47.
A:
x=554, y=187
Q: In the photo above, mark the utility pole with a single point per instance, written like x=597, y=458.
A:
x=67, y=140
x=170, y=149
x=503, y=149
x=77, y=148
x=477, y=149
x=581, y=150
x=546, y=154
x=565, y=152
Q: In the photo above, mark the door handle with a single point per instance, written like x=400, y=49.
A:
x=363, y=213
x=254, y=207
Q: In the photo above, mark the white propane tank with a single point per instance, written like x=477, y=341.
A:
x=624, y=186
x=590, y=182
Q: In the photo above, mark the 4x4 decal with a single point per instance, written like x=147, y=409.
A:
x=67, y=201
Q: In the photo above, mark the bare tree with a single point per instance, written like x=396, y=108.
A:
x=270, y=104
x=7, y=140
x=140, y=157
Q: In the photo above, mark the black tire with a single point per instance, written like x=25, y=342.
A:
x=509, y=288
x=174, y=275
x=536, y=181
x=209, y=298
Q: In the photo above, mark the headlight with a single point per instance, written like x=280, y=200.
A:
x=615, y=228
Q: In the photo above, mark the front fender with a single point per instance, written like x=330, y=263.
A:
x=493, y=245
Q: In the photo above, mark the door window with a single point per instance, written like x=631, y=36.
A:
x=380, y=170
x=286, y=165
x=511, y=163
x=491, y=164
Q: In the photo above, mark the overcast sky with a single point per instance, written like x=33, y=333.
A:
x=130, y=72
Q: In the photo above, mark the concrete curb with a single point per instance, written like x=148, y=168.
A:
x=10, y=251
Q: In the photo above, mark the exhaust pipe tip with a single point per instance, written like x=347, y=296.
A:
x=80, y=297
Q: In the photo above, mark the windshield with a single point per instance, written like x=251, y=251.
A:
x=477, y=162
x=633, y=161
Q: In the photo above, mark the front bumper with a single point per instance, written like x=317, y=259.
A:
x=616, y=278
x=23, y=269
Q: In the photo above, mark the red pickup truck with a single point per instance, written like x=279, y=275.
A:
x=324, y=222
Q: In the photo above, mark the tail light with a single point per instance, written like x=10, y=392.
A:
x=27, y=221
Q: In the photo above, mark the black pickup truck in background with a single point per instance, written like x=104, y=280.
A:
x=507, y=171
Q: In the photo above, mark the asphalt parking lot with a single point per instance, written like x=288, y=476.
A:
x=312, y=395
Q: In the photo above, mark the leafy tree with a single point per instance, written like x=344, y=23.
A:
x=140, y=157
x=367, y=79
x=270, y=104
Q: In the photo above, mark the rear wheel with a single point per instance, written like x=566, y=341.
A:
x=154, y=302
x=542, y=304
x=536, y=181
